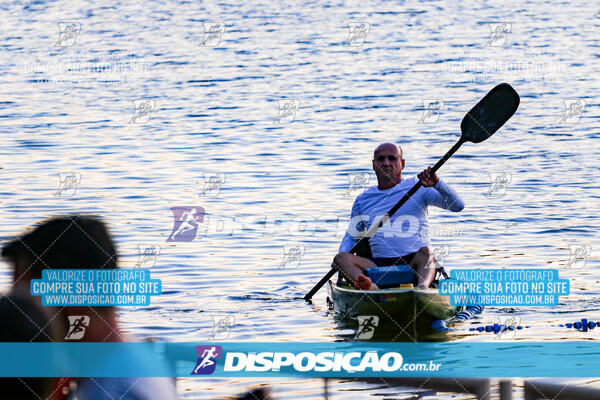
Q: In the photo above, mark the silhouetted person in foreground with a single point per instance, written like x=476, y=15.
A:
x=81, y=242
x=23, y=320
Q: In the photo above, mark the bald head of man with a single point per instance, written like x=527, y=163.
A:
x=388, y=165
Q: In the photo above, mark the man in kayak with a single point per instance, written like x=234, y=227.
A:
x=404, y=239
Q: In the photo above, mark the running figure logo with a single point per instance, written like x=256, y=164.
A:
x=510, y=323
x=77, y=326
x=579, y=255
x=439, y=253
x=292, y=255
x=499, y=183
x=148, y=256
x=357, y=33
x=366, y=326
x=68, y=32
x=213, y=31
x=432, y=109
x=69, y=181
x=142, y=110
x=185, y=224
x=287, y=111
x=358, y=182
x=222, y=326
x=573, y=110
x=207, y=362
x=212, y=184
x=498, y=34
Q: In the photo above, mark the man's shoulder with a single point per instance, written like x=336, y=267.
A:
x=370, y=191
x=404, y=186
x=408, y=182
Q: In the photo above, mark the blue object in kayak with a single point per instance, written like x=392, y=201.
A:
x=394, y=275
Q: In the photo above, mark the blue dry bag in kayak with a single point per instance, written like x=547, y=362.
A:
x=394, y=275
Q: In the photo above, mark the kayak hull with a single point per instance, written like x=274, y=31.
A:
x=401, y=312
x=409, y=302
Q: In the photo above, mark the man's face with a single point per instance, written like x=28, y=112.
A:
x=388, y=163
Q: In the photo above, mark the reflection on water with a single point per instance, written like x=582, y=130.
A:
x=265, y=115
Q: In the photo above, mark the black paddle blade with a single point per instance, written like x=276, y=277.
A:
x=490, y=113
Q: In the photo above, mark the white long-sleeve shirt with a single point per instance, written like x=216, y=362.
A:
x=408, y=229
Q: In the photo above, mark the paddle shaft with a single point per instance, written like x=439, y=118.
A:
x=387, y=216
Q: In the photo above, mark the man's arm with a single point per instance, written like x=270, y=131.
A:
x=444, y=196
x=351, y=237
x=347, y=243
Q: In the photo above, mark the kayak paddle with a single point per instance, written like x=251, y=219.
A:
x=479, y=124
